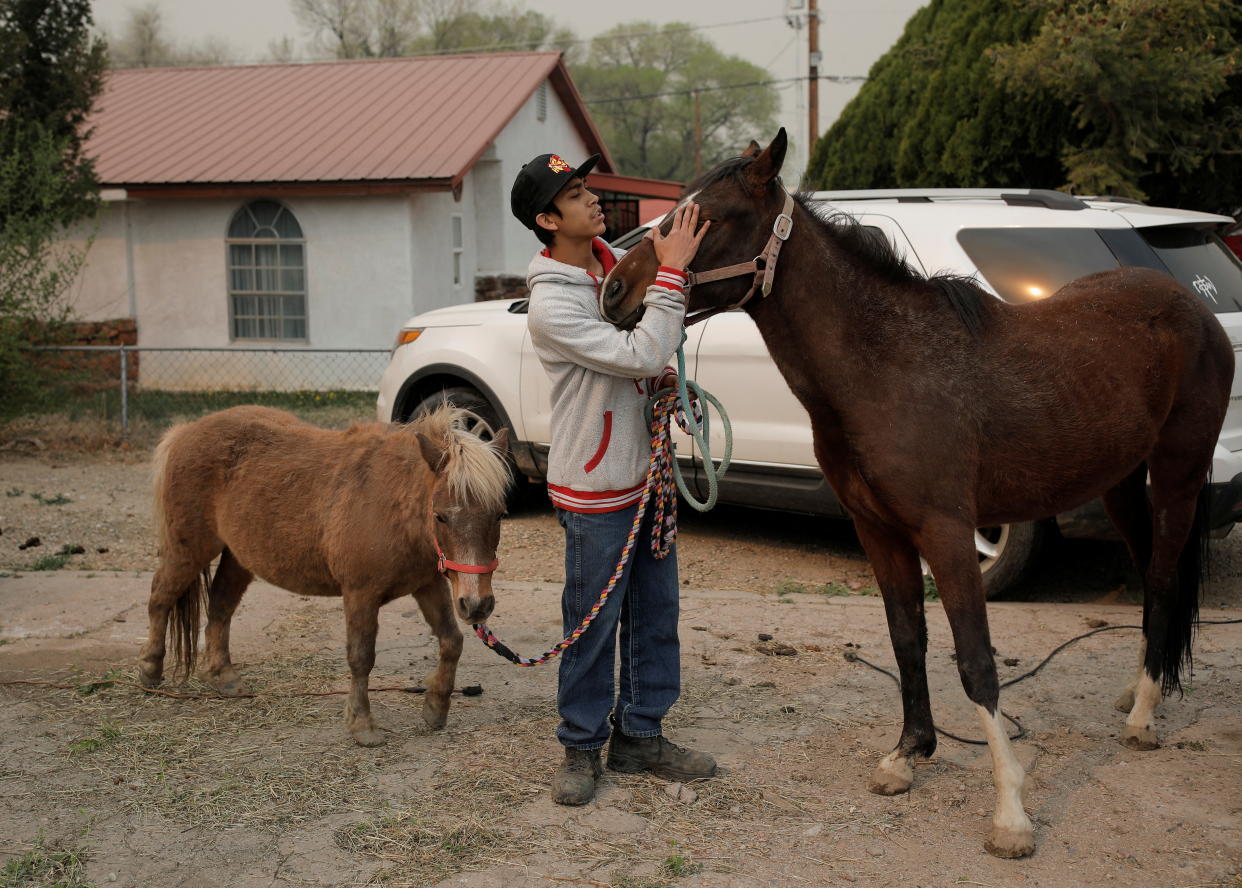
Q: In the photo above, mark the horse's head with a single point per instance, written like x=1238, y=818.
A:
x=742, y=197
x=467, y=503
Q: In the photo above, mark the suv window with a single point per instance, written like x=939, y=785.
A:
x=1026, y=264
x=1201, y=262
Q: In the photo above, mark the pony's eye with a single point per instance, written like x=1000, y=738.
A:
x=502, y=515
x=440, y=518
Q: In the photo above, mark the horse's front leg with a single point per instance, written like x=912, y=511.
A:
x=434, y=600
x=361, y=626
x=950, y=550
x=896, y=564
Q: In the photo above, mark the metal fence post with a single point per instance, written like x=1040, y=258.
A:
x=124, y=392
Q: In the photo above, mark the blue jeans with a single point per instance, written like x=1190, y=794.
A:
x=644, y=604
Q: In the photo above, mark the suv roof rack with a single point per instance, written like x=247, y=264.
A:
x=1031, y=197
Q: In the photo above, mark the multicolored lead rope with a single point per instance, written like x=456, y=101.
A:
x=660, y=482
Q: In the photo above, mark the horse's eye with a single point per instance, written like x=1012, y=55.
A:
x=440, y=518
x=502, y=515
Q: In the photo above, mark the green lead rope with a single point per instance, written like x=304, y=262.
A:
x=700, y=434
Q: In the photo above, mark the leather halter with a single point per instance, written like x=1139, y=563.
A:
x=763, y=267
x=444, y=565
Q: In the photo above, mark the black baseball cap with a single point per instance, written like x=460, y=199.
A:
x=540, y=181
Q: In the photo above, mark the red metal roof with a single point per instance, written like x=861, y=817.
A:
x=415, y=121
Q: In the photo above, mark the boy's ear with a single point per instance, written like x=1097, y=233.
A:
x=546, y=220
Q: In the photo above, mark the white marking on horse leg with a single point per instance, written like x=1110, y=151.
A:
x=1126, y=701
x=1012, y=833
x=1140, y=731
x=892, y=775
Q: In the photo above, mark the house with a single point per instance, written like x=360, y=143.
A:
x=320, y=205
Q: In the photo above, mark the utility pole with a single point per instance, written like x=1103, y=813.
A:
x=812, y=84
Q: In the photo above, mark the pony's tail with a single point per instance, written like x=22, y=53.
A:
x=1183, y=618
x=184, y=621
x=186, y=614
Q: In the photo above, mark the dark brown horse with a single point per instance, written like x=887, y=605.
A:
x=368, y=514
x=937, y=408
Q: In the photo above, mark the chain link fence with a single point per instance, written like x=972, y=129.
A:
x=138, y=391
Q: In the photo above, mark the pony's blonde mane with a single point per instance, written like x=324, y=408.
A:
x=473, y=468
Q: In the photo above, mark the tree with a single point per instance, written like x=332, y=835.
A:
x=51, y=71
x=931, y=114
x=948, y=107
x=144, y=43
x=1138, y=76
x=387, y=28
x=643, y=80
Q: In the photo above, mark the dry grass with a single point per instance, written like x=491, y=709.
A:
x=218, y=762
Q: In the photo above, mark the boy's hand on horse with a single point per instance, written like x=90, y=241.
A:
x=677, y=248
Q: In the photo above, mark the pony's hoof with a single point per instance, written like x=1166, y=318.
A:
x=234, y=687
x=1125, y=702
x=1139, y=738
x=891, y=777
x=435, y=718
x=369, y=737
x=1010, y=843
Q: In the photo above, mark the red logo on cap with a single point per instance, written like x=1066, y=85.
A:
x=556, y=165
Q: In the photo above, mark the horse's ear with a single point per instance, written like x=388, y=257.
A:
x=432, y=452
x=752, y=150
x=767, y=166
x=501, y=443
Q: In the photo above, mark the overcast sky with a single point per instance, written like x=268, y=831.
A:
x=853, y=34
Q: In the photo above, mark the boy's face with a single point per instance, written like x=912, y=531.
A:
x=580, y=213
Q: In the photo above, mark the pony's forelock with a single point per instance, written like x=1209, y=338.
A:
x=473, y=467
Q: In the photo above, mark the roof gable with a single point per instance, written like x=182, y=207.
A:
x=424, y=119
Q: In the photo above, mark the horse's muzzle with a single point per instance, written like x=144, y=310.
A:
x=474, y=609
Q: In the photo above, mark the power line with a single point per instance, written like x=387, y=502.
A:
x=833, y=78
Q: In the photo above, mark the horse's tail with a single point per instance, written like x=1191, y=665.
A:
x=1183, y=611
x=186, y=615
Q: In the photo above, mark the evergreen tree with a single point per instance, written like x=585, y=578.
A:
x=932, y=116
x=936, y=112
x=51, y=71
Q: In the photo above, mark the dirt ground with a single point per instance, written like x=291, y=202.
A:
x=104, y=784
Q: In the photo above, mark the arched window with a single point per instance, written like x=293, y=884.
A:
x=267, y=273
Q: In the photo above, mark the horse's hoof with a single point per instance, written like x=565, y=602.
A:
x=891, y=777
x=1010, y=843
x=1139, y=738
x=435, y=719
x=1125, y=702
x=369, y=737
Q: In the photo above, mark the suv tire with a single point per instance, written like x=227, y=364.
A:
x=1017, y=547
x=481, y=417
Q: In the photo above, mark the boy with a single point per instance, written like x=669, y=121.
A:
x=601, y=380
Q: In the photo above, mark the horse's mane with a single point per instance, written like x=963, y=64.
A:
x=473, y=467
x=879, y=255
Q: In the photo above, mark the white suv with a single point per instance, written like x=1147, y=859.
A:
x=1021, y=245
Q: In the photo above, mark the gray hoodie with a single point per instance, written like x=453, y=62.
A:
x=601, y=379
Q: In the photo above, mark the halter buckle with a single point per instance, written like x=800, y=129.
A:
x=782, y=226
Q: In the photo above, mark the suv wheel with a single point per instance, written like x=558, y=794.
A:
x=1006, y=551
x=480, y=417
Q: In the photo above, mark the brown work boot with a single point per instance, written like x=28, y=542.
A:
x=574, y=782
x=656, y=755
